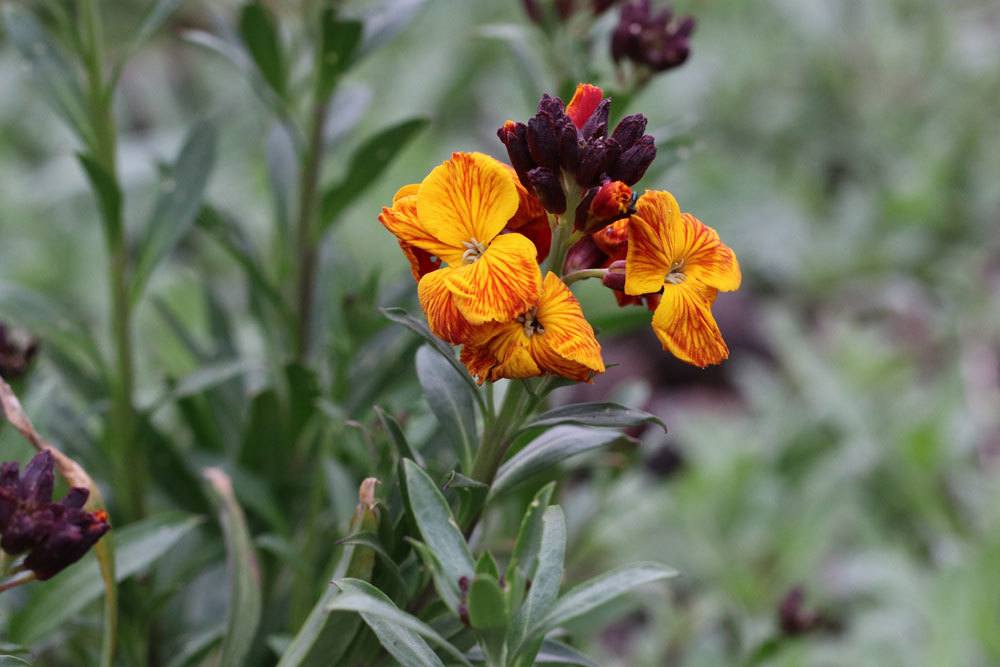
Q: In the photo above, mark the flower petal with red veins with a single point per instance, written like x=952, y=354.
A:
x=503, y=283
x=684, y=324
x=443, y=317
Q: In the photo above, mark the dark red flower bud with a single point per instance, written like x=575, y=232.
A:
x=593, y=160
x=597, y=124
x=584, y=254
x=543, y=141
x=632, y=163
x=793, y=617
x=615, y=277
x=515, y=137
x=629, y=130
x=17, y=351
x=569, y=148
x=652, y=39
x=547, y=187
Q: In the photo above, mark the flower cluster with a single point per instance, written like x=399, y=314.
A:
x=494, y=251
x=653, y=39
x=16, y=353
x=54, y=535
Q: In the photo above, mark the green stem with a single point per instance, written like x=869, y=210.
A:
x=583, y=274
x=307, y=244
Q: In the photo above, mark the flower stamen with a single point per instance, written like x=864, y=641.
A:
x=676, y=275
x=473, y=250
x=529, y=321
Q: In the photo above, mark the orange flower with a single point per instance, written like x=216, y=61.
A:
x=403, y=215
x=676, y=252
x=457, y=216
x=552, y=336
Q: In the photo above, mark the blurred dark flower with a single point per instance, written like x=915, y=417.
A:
x=651, y=38
x=540, y=11
x=666, y=461
x=54, y=535
x=16, y=353
x=795, y=618
x=568, y=146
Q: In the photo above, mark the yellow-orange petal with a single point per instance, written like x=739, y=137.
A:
x=499, y=350
x=500, y=285
x=706, y=258
x=402, y=222
x=409, y=190
x=613, y=239
x=646, y=263
x=443, y=317
x=566, y=344
x=471, y=196
x=684, y=324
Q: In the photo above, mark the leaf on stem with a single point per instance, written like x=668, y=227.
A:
x=259, y=33
x=609, y=415
x=545, y=580
x=451, y=400
x=339, y=43
x=437, y=526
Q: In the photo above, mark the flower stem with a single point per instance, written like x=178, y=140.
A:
x=17, y=581
x=583, y=274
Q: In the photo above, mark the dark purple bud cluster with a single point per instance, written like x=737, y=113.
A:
x=16, y=353
x=54, y=535
x=651, y=38
x=562, y=147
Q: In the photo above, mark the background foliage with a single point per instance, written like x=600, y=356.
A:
x=847, y=151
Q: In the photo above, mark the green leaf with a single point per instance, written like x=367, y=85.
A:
x=548, y=449
x=365, y=166
x=584, y=598
x=371, y=541
x=487, y=604
x=529, y=536
x=388, y=21
x=457, y=480
x=451, y=401
x=609, y=415
x=557, y=653
x=545, y=580
x=109, y=196
x=395, y=431
x=259, y=33
x=137, y=546
x=400, y=633
x=203, y=379
x=400, y=316
x=156, y=17
x=51, y=69
x=437, y=526
x=324, y=637
x=244, y=612
x=446, y=587
x=177, y=205
x=339, y=43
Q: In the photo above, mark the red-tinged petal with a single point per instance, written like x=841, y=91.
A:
x=565, y=343
x=684, y=324
x=496, y=351
x=443, y=317
x=613, y=239
x=469, y=197
x=503, y=283
x=584, y=102
x=402, y=221
x=531, y=220
x=705, y=257
x=421, y=261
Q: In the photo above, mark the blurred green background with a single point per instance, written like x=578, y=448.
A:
x=848, y=151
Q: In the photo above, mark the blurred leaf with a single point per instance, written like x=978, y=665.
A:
x=487, y=604
x=395, y=431
x=194, y=647
x=347, y=109
x=436, y=524
x=51, y=69
x=557, y=653
x=387, y=21
x=282, y=174
x=137, y=546
x=529, y=535
x=365, y=166
x=177, y=205
x=545, y=580
x=519, y=38
x=244, y=612
x=204, y=378
x=338, y=43
x=109, y=196
x=446, y=587
x=584, y=598
x=371, y=541
x=595, y=414
x=400, y=633
x=324, y=637
x=156, y=17
x=419, y=327
x=451, y=401
x=548, y=449
x=259, y=33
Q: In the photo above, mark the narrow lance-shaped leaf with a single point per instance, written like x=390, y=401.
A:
x=365, y=166
x=387, y=21
x=395, y=431
x=436, y=524
x=339, y=42
x=244, y=576
x=609, y=415
x=399, y=632
x=546, y=578
x=451, y=401
x=260, y=36
x=177, y=206
x=584, y=598
x=548, y=449
x=529, y=536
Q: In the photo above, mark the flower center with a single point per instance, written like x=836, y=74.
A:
x=473, y=250
x=529, y=321
x=676, y=275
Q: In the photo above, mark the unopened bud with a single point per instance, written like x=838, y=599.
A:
x=631, y=165
x=615, y=277
x=546, y=186
x=629, y=130
x=584, y=254
x=585, y=101
x=515, y=137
